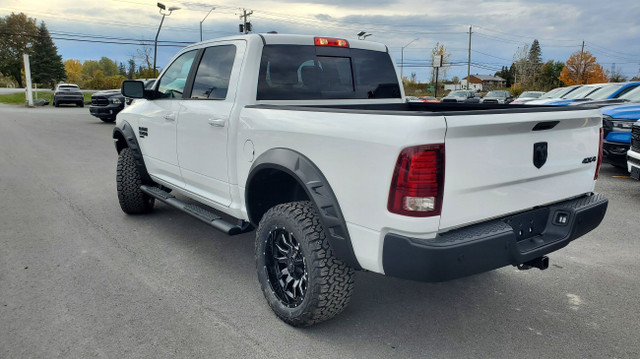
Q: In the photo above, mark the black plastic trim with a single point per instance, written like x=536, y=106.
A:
x=424, y=109
x=125, y=130
x=491, y=245
x=317, y=188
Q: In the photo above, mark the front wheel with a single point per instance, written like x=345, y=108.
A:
x=128, y=181
x=301, y=279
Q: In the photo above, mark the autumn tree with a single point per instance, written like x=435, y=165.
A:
x=73, y=69
x=17, y=33
x=46, y=64
x=440, y=50
x=582, y=68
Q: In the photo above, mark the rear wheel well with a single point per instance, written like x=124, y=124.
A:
x=270, y=187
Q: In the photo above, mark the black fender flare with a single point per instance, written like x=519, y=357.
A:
x=124, y=136
x=317, y=188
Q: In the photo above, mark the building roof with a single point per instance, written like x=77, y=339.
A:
x=488, y=78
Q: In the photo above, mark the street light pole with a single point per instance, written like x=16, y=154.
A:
x=155, y=46
x=402, y=57
x=213, y=8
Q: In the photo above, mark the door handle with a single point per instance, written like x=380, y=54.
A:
x=169, y=117
x=216, y=122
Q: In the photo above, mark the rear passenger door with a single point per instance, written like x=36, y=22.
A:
x=203, y=122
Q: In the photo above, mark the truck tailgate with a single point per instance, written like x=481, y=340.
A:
x=503, y=163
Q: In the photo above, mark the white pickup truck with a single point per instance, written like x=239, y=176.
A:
x=309, y=140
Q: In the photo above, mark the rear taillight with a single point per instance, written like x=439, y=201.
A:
x=595, y=176
x=418, y=181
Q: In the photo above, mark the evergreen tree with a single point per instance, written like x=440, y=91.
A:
x=534, y=63
x=132, y=68
x=46, y=65
x=535, y=53
x=122, y=69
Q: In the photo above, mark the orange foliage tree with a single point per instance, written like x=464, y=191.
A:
x=587, y=71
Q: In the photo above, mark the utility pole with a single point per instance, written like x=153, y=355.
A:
x=245, y=26
x=580, y=64
x=469, y=59
x=213, y=8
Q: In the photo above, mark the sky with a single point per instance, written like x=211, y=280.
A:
x=90, y=29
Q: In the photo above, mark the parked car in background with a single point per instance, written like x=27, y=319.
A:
x=105, y=105
x=581, y=94
x=412, y=99
x=428, y=99
x=529, y=96
x=617, y=122
x=461, y=96
x=68, y=93
x=497, y=97
x=633, y=156
x=615, y=93
x=554, y=95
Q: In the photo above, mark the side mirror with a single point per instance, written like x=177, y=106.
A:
x=133, y=89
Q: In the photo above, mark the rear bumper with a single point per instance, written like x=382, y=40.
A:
x=486, y=246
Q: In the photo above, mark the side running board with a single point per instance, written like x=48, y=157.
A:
x=198, y=212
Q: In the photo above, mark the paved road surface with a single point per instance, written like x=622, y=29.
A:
x=80, y=279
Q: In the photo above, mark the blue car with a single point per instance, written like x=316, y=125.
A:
x=616, y=123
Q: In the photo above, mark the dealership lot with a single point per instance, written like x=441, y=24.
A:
x=78, y=278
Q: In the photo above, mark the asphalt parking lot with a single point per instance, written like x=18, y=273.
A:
x=78, y=278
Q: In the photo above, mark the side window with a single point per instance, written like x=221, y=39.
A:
x=171, y=84
x=214, y=71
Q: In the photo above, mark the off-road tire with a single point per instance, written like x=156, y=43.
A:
x=329, y=281
x=128, y=181
x=55, y=104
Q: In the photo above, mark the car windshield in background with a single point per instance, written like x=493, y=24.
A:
x=633, y=95
x=69, y=88
x=605, y=92
x=562, y=91
x=533, y=94
x=581, y=92
x=458, y=94
x=496, y=94
x=312, y=73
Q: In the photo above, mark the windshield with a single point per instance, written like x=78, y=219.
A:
x=633, y=95
x=496, y=94
x=532, y=94
x=605, y=92
x=553, y=93
x=458, y=94
x=302, y=72
x=581, y=92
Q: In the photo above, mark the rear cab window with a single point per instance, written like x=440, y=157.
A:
x=304, y=72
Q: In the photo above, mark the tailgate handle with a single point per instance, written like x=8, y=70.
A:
x=543, y=126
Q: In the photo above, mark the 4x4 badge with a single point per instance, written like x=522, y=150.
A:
x=540, y=154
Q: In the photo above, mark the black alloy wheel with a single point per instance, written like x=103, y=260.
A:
x=286, y=267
